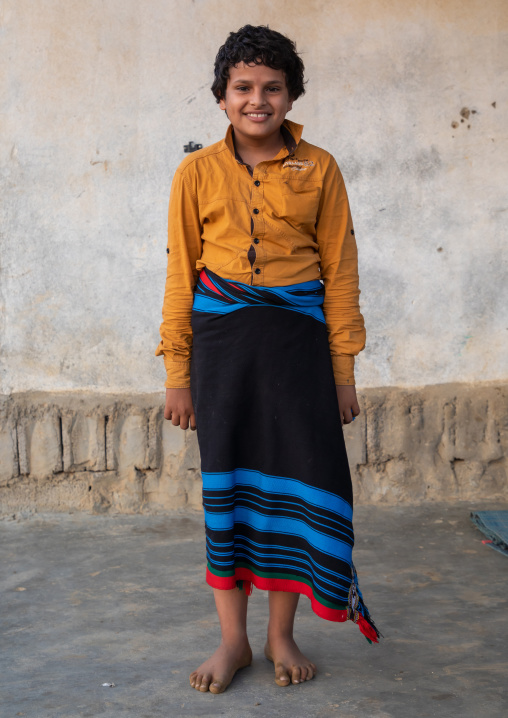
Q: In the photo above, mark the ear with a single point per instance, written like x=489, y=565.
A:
x=222, y=103
x=290, y=104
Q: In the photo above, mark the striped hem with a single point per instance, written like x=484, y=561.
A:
x=265, y=583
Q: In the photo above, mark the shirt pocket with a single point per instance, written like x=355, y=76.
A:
x=300, y=204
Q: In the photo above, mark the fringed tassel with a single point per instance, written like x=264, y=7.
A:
x=245, y=586
x=358, y=613
x=368, y=628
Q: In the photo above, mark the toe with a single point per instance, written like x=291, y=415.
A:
x=217, y=687
x=197, y=682
x=205, y=683
x=192, y=678
x=303, y=674
x=281, y=676
x=310, y=673
x=295, y=675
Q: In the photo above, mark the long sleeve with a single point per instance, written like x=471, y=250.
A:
x=339, y=270
x=184, y=250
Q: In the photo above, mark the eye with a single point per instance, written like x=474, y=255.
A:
x=273, y=89
x=241, y=88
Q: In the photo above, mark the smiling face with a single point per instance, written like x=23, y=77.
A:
x=256, y=101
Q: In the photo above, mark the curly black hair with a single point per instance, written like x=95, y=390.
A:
x=259, y=46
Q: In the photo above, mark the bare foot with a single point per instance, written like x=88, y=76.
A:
x=217, y=672
x=291, y=666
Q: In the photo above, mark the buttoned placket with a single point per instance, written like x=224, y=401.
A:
x=251, y=253
x=257, y=220
x=256, y=207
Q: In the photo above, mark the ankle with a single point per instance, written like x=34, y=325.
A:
x=235, y=640
x=276, y=635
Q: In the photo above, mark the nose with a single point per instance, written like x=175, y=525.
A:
x=257, y=98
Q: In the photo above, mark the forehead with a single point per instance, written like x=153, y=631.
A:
x=255, y=73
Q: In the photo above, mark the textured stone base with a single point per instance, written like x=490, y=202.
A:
x=100, y=453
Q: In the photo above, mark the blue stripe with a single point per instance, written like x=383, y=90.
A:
x=293, y=527
x=208, y=304
x=289, y=551
x=246, y=496
x=305, y=297
x=273, y=512
x=219, y=481
x=314, y=285
x=315, y=580
x=305, y=557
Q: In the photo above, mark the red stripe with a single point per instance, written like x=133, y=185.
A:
x=206, y=280
x=280, y=584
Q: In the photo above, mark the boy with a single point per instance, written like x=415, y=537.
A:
x=261, y=323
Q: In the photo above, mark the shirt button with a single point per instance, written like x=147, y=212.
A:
x=256, y=240
x=257, y=183
x=256, y=211
x=257, y=270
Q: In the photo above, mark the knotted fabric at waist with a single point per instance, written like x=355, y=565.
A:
x=220, y=296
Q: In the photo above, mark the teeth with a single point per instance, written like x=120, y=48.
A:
x=257, y=114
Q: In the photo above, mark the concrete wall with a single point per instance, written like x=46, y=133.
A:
x=97, y=99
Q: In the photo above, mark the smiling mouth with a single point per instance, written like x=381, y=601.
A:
x=257, y=114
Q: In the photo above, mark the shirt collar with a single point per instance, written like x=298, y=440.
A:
x=291, y=132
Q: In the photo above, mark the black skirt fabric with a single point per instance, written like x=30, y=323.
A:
x=276, y=484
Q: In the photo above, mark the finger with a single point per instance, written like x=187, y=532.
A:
x=193, y=422
x=341, y=415
x=184, y=424
x=175, y=418
x=167, y=414
x=348, y=416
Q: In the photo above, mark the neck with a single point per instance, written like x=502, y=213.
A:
x=267, y=147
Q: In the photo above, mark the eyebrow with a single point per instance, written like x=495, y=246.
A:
x=249, y=82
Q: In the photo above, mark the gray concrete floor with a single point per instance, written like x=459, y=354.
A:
x=93, y=599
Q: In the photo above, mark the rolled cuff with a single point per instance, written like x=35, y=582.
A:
x=178, y=374
x=344, y=369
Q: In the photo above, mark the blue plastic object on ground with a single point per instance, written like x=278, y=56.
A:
x=494, y=524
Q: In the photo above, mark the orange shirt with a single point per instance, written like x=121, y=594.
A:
x=285, y=221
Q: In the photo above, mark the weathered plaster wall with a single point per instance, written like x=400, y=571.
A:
x=97, y=100
x=118, y=454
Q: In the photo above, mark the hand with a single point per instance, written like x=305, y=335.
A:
x=348, y=403
x=179, y=409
